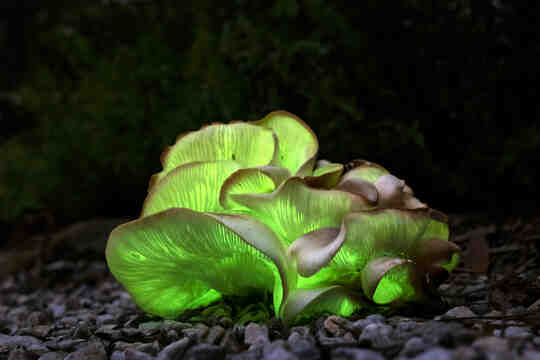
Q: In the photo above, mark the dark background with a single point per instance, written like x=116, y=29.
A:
x=444, y=94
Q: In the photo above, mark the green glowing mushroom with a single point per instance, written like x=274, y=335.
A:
x=245, y=208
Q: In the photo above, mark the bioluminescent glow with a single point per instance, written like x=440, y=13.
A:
x=245, y=207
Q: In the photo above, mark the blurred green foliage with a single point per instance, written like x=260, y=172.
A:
x=428, y=89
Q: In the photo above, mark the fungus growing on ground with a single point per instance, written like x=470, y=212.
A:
x=245, y=207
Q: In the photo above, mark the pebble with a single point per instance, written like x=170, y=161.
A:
x=92, y=351
x=132, y=354
x=349, y=353
x=435, y=354
x=99, y=321
x=256, y=335
x=337, y=325
x=214, y=334
x=445, y=334
x=377, y=335
x=413, y=347
x=175, y=350
x=517, y=332
x=278, y=350
x=53, y=355
x=531, y=355
x=457, y=312
x=204, y=352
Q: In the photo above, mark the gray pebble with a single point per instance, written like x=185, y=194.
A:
x=435, y=354
x=518, y=332
x=531, y=355
x=118, y=355
x=375, y=318
x=175, y=350
x=131, y=354
x=468, y=353
x=377, y=335
x=204, y=352
x=11, y=342
x=413, y=347
x=445, y=334
x=92, y=351
x=149, y=348
x=491, y=343
x=256, y=335
x=105, y=320
x=20, y=354
x=456, y=312
x=305, y=348
x=57, y=309
x=214, y=334
x=349, y=353
x=197, y=333
x=246, y=355
x=278, y=350
x=53, y=355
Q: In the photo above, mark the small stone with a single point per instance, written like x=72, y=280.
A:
x=132, y=354
x=20, y=354
x=469, y=353
x=175, y=350
x=109, y=332
x=331, y=341
x=435, y=353
x=337, y=325
x=92, y=351
x=105, y=320
x=53, y=355
x=247, y=355
x=349, y=353
x=300, y=331
x=413, y=347
x=197, y=333
x=230, y=342
x=204, y=352
x=38, y=318
x=214, y=334
x=278, y=350
x=531, y=355
x=83, y=330
x=149, y=348
x=358, y=326
x=491, y=343
x=176, y=325
x=172, y=336
x=377, y=335
x=457, y=312
x=403, y=330
x=151, y=325
x=68, y=344
x=518, y=332
x=57, y=309
x=256, y=335
x=10, y=342
x=534, y=306
x=445, y=334
x=305, y=349
x=375, y=318
x=118, y=355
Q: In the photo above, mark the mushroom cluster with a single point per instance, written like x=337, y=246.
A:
x=245, y=207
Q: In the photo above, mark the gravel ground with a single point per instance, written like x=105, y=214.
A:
x=74, y=309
